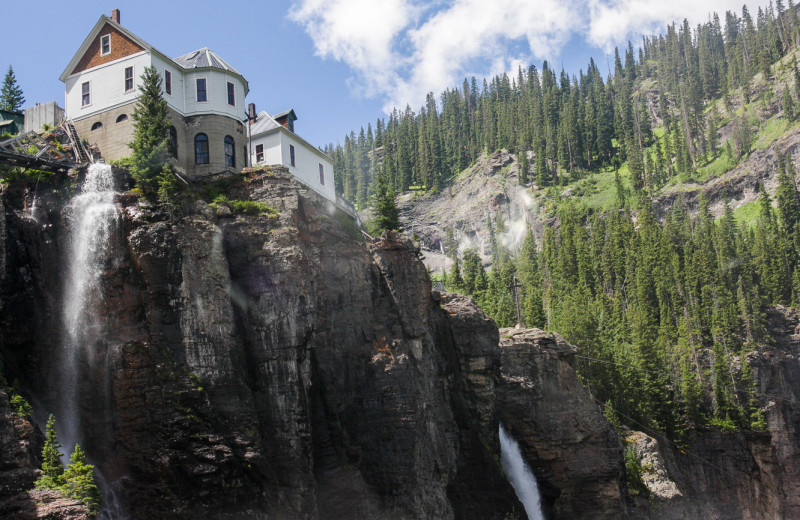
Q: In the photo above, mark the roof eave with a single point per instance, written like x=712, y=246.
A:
x=317, y=150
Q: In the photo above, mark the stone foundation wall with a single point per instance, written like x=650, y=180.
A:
x=216, y=127
x=112, y=139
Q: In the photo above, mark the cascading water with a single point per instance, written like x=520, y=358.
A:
x=93, y=220
x=520, y=475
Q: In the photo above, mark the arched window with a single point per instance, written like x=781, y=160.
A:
x=173, y=141
x=230, y=152
x=201, y=149
x=122, y=117
x=97, y=126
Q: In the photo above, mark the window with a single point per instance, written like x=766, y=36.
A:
x=202, y=95
x=173, y=141
x=86, y=98
x=230, y=152
x=321, y=174
x=105, y=45
x=201, y=149
x=259, y=153
x=97, y=126
x=168, y=82
x=128, y=79
x=244, y=154
x=291, y=154
x=122, y=117
x=231, y=95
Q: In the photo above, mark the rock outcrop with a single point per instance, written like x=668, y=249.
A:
x=574, y=452
x=263, y=367
x=578, y=456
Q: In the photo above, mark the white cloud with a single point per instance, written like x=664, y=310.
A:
x=448, y=41
x=360, y=33
x=402, y=49
x=612, y=22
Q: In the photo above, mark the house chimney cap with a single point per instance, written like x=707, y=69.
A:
x=115, y=15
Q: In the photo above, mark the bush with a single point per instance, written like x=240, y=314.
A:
x=248, y=207
x=21, y=406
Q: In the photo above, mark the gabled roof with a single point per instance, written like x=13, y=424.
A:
x=263, y=124
x=93, y=34
x=203, y=58
x=266, y=124
x=285, y=113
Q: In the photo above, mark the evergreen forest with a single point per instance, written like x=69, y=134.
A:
x=664, y=306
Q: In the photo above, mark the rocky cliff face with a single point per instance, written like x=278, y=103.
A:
x=260, y=367
x=577, y=455
x=574, y=452
x=282, y=367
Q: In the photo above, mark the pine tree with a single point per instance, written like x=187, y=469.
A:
x=524, y=166
x=52, y=470
x=387, y=215
x=788, y=105
x=150, y=143
x=79, y=481
x=11, y=97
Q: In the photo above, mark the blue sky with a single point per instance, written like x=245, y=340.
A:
x=342, y=63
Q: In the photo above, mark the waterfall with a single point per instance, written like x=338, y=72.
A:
x=520, y=475
x=93, y=220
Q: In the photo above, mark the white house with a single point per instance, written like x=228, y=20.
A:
x=206, y=100
x=273, y=141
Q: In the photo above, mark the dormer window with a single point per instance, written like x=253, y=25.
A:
x=105, y=45
x=202, y=93
x=231, y=95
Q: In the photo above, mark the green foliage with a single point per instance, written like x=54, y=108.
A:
x=665, y=311
x=633, y=470
x=79, y=482
x=11, y=97
x=52, y=470
x=387, y=217
x=21, y=406
x=150, y=143
x=247, y=207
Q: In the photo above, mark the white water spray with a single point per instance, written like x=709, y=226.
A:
x=520, y=475
x=93, y=220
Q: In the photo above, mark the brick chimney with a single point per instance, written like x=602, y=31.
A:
x=251, y=113
x=115, y=15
